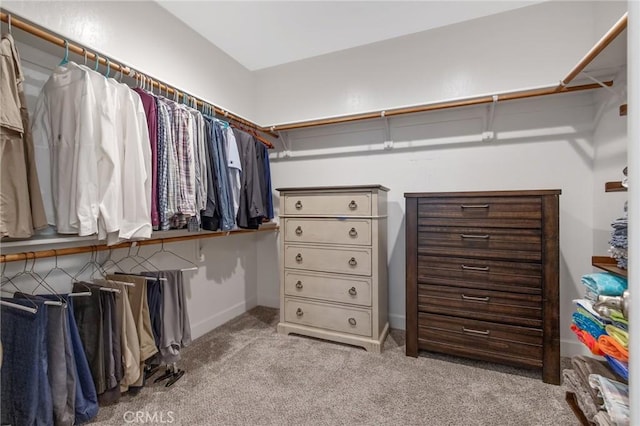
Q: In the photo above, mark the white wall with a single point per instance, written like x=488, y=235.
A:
x=543, y=143
x=148, y=38
x=529, y=47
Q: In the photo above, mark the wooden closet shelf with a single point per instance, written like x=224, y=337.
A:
x=623, y=110
x=614, y=187
x=102, y=247
x=608, y=264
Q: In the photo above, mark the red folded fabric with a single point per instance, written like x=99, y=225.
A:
x=588, y=340
x=611, y=347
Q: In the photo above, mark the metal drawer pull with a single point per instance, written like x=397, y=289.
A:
x=474, y=206
x=479, y=237
x=298, y=257
x=353, y=205
x=299, y=230
x=353, y=261
x=299, y=284
x=298, y=205
x=465, y=297
x=352, y=321
x=299, y=312
x=475, y=268
x=353, y=232
x=468, y=330
x=353, y=291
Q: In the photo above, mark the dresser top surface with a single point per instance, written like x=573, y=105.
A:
x=333, y=188
x=537, y=192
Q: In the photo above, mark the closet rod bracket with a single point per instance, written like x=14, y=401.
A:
x=286, y=153
x=488, y=134
x=388, y=142
x=603, y=85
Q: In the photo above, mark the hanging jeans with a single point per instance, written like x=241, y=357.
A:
x=86, y=397
x=61, y=371
x=26, y=394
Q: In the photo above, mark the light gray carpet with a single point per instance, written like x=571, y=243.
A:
x=244, y=373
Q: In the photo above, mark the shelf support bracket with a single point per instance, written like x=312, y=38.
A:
x=388, y=143
x=604, y=86
x=489, y=134
x=286, y=153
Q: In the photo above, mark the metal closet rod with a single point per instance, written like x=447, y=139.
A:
x=40, y=254
x=19, y=23
x=613, y=32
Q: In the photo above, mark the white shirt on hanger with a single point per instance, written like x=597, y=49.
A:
x=67, y=150
x=134, y=151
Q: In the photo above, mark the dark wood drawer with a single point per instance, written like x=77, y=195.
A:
x=480, y=339
x=496, y=306
x=481, y=207
x=519, y=277
x=487, y=243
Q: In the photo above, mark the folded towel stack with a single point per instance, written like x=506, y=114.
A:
x=603, y=284
x=619, y=242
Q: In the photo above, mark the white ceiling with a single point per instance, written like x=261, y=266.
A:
x=261, y=34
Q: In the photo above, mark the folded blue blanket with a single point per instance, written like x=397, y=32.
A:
x=588, y=324
x=603, y=283
x=619, y=367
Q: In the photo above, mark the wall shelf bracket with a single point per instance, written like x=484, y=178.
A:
x=488, y=134
x=603, y=85
x=388, y=143
x=286, y=153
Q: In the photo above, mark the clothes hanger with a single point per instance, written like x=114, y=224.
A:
x=57, y=268
x=112, y=264
x=147, y=266
x=8, y=280
x=65, y=58
x=9, y=22
x=194, y=267
x=44, y=284
x=134, y=258
x=9, y=304
x=97, y=62
x=108, y=68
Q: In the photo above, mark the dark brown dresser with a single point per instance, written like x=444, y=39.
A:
x=482, y=277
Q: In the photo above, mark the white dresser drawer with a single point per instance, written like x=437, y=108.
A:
x=343, y=204
x=334, y=231
x=327, y=287
x=330, y=317
x=355, y=261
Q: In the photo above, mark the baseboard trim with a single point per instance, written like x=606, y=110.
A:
x=269, y=302
x=572, y=348
x=397, y=322
x=216, y=320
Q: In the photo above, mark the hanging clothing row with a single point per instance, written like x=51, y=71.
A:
x=119, y=163
x=204, y=171
x=93, y=152
x=88, y=347
x=21, y=208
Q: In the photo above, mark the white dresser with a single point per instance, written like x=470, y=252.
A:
x=333, y=268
